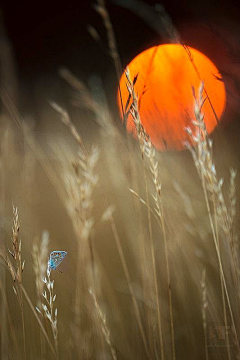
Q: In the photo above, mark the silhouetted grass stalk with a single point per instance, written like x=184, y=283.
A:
x=100, y=7
x=145, y=144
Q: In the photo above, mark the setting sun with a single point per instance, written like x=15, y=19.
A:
x=165, y=77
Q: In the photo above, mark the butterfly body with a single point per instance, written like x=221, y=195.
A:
x=56, y=257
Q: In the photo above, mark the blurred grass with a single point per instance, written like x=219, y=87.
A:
x=191, y=247
x=52, y=174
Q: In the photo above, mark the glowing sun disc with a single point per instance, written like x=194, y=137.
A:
x=166, y=75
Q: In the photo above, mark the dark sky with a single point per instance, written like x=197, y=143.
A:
x=47, y=35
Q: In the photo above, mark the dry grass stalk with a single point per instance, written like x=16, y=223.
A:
x=133, y=110
x=49, y=311
x=128, y=278
x=230, y=225
x=155, y=17
x=66, y=121
x=38, y=320
x=40, y=259
x=31, y=142
x=17, y=246
x=16, y=274
x=153, y=212
x=84, y=99
x=9, y=264
x=112, y=43
x=80, y=180
x=143, y=139
x=219, y=215
x=10, y=322
x=80, y=183
x=150, y=153
x=103, y=118
x=204, y=308
x=104, y=327
x=148, y=150
x=3, y=313
x=19, y=267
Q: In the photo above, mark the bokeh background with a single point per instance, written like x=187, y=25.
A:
x=36, y=41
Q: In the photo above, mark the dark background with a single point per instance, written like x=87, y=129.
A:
x=48, y=35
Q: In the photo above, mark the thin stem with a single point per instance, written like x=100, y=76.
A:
x=154, y=266
x=127, y=275
x=112, y=43
x=38, y=320
x=218, y=255
x=169, y=285
x=204, y=307
x=147, y=206
x=23, y=325
x=222, y=287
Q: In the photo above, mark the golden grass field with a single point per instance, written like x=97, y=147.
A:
x=152, y=266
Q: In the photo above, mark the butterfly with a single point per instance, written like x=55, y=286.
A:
x=56, y=257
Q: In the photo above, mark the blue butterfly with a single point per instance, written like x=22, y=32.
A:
x=56, y=257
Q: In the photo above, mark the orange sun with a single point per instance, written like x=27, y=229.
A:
x=166, y=75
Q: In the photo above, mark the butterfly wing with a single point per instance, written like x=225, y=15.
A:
x=56, y=257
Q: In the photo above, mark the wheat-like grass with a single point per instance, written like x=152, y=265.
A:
x=143, y=139
x=148, y=150
x=19, y=267
x=40, y=259
x=219, y=214
x=16, y=274
x=49, y=310
x=80, y=184
x=80, y=180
